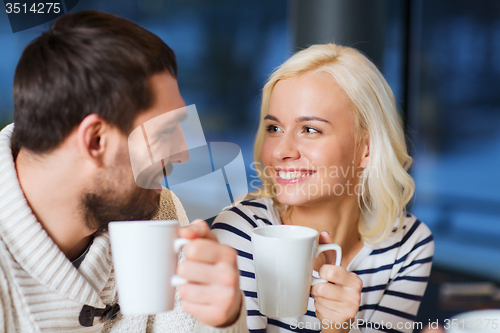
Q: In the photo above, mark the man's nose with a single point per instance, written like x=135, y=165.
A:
x=180, y=150
x=286, y=148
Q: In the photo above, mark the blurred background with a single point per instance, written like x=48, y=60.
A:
x=441, y=58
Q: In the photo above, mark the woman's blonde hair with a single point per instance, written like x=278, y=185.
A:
x=386, y=192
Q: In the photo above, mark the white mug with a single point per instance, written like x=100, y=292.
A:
x=145, y=260
x=283, y=258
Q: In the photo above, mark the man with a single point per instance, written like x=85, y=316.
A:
x=79, y=90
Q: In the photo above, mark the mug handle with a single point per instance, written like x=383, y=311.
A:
x=323, y=248
x=176, y=280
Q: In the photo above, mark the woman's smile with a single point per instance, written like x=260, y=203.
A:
x=292, y=176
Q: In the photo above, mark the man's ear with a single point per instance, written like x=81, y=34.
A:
x=91, y=138
x=365, y=151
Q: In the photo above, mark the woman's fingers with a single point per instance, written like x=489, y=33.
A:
x=348, y=306
x=339, y=275
x=335, y=293
x=328, y=291
x=331, y=318
x=329, y=310
x=338, y=299
x=340, y=309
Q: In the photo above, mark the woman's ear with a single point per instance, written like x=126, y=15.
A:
x=365, y=151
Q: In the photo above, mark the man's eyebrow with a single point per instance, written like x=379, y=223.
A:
x=183, y=116
x=311, y=118
x=177, y=118
x=172, y=122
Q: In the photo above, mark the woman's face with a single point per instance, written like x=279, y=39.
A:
x=310, y=150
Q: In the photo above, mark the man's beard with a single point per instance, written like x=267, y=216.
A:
x=102, y=208
x=110, y=201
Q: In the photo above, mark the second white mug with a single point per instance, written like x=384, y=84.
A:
x=283, y=257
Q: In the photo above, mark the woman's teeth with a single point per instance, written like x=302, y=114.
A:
x=292, y=175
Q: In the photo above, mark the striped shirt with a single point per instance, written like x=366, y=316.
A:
x=394, y=273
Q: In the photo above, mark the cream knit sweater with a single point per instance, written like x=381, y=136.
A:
x=40, y=289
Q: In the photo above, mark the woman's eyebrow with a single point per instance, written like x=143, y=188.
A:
x=311, y=118
x=269, y=117
x=298, y=120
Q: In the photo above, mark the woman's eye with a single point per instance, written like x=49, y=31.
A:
x=273, y=129
x=311, y=130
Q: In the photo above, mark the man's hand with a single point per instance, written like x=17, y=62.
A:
x=212, y=293
x=338, y=300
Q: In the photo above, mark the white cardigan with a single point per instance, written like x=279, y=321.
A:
x=40, y=289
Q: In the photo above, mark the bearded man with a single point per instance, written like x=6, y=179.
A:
x=79, y=90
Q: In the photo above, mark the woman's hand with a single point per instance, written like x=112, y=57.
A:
x=212, y=293
x=338, y=300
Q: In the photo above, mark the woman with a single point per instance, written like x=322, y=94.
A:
x=331, y=154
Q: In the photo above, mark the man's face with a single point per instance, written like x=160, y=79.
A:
x=116, y=194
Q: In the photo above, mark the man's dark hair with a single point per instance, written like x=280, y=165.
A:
x=87, y=63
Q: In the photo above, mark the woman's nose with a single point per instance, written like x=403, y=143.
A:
x=286, y=149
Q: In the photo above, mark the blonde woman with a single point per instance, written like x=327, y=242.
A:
x=331, y=154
